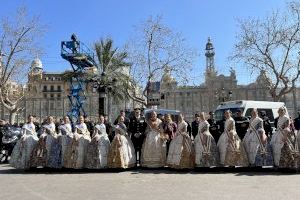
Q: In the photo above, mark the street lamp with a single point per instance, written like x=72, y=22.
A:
x=104, y=86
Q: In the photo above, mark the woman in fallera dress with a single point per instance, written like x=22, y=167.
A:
x=98, y=148
x=232, y=152
x=264, y=154
x=284, y=143
x=65, y=137
x=20, y=157
x=251, y=140
x=180, y=154
x=75, y=157
x=206, y=151
x=154, y=150
x=44, y=155
x=121, y=153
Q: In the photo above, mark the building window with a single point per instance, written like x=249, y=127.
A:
x=52, y=88
x=51, y=95
x=45, y=88
x=53, y=78
x=59, y=88
x=59, y=96
x=45, y=96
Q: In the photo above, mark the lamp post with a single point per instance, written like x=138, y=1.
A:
x=104, y=85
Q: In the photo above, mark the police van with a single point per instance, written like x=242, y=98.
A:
x=246, y=106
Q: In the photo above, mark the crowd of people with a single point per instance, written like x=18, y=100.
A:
x=157, y=141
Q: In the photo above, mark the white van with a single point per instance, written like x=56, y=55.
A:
x=245, y=106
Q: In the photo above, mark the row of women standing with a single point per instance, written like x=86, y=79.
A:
x=79, y=150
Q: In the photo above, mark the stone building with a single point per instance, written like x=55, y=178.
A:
x=215, y=89
x=47, y=93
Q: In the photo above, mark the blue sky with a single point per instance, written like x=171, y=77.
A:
x=93, y=19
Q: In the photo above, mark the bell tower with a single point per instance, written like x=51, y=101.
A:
x=210, y=59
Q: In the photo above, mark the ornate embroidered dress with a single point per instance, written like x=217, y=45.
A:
x=205, y=147
x=98, y=148
x=121, y=152
x=76, y=155
x=154, y=150
x=180, y=154
x=277, y=138
x=20, y=157
x=65, y=139
x=232, y=153
x=251, y=140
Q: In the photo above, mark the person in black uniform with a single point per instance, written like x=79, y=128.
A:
x=137, y=127
x=241, y=124
x=297, y=122
x=195, y=125
x=267, y=123
x=213, y=127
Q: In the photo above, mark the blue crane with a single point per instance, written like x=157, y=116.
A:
x=82, y=61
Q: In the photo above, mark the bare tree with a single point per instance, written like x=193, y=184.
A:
x=19, y=38
x=155, y=48
x=272, y=46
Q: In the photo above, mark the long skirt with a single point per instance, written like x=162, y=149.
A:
x=251, y=144
x=53, y=147
x=20, y=157
x=264, y=157
x=289, y=158
x=55, y=159
x=229, y=155
x=39, y=154
x=180, y=154
x=66, y=141
x=75, y=156
x=277, y=145
x=154, y=150
x=121, y=153
x=97, y=152
x=203, y=158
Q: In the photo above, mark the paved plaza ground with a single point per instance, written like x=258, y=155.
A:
x=147, y=184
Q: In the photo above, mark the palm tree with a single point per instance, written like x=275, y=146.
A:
x=114, y=72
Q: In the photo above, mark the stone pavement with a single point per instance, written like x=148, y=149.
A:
x=146, y=184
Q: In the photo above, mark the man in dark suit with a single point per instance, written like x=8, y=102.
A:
x=213, y=127
x=137, y=127
x=241, y=124
x=195, y=125
x=267, y=123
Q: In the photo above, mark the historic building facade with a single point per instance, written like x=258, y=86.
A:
x=46, y=93
x=216, y=89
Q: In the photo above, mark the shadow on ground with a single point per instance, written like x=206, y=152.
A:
x=6, y=169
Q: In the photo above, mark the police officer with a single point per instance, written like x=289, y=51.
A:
x=213, y=127
x=241, y=124
x=267, y=123
x=195, y=125
x=137, y=127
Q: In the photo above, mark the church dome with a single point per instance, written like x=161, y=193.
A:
x=36, y=63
